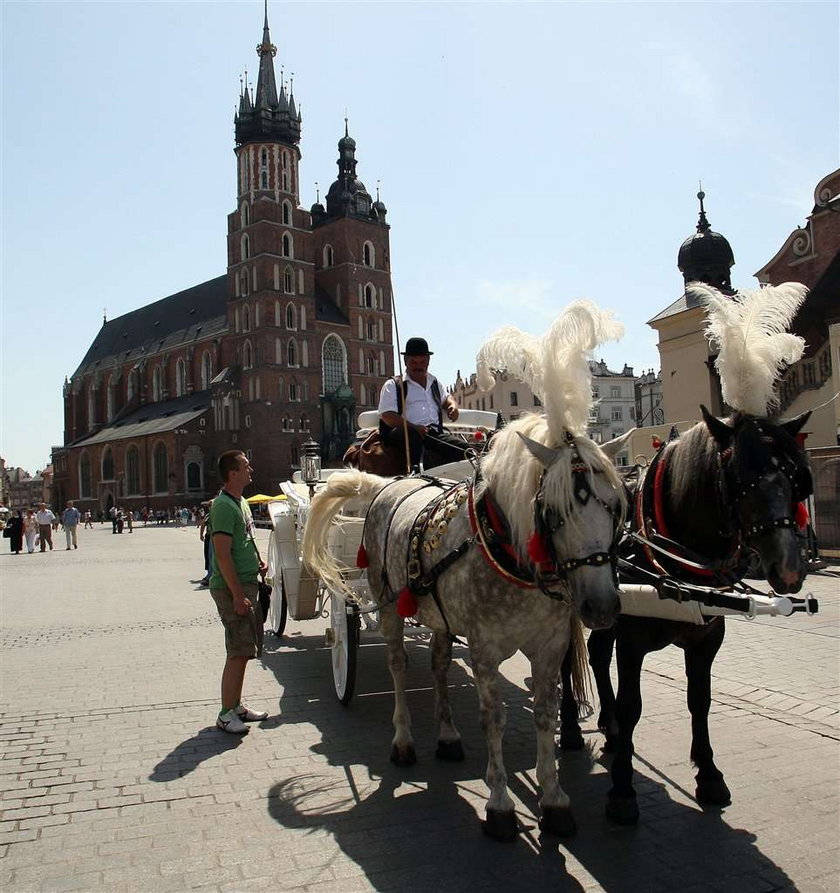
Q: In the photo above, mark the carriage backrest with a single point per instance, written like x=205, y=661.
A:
x=468, y=420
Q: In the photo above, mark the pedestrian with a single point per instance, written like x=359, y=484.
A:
x=88, y=520
x=70, y=520
x=206, y=537
x=30, y=530
x=45, y=520
x=129, y=519
x=13, y=531
x=233, y=586
x=417, y=404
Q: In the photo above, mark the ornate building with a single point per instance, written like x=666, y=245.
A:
x=284, y=346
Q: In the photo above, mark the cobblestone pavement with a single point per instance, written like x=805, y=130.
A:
x=114, y=777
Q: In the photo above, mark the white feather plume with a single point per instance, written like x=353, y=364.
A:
x=754, y=346
x=556, y=366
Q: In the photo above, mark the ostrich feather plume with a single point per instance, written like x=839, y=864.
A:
x=555, y=366
x=750, y=332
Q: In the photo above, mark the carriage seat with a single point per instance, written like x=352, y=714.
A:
x=468, y=420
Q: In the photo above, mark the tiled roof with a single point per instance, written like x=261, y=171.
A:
x=195, y=313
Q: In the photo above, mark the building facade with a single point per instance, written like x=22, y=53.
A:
x=287, y=345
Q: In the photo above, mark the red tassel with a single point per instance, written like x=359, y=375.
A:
x=406, y=603
x=478, y=436
x=537, y=549
x=801, y=516
x=362, y=557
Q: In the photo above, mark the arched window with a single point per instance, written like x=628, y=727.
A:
x=180, y=378
x=245, y=215
x=84, y=476
x=329, y=256
x=278, y=351
x=263, y=179
x=284, y=171
x=161, y=469
x=206, y=370
x=132, y=471
x=157, y=384
x=291, y=317
x=193, y=476
x=369, y=254
x=370, y=364
x=247, y=355
x=287, y=213
x=294, y=391
x=110, y=398
x=91, y=406
x=287, y=246
x=107, y=464
x=246, y=318
x=371, y=330
x=246, y=247
x=280, y=388
x=292, y=352
x=289, y=281
x=334, y=364
x=244, y=283
x=277, y=316
x=304, y=423
x=257, y=315
x=132, y=384
x=370, y=296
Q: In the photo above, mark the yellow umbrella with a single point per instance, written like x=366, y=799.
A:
x=261, y=497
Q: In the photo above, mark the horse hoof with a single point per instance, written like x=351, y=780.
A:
x=405, y=756
x=622, y=810
x=500, y=824
x=450, y=751
x=571, y=739
x=712, y=792
x=558, y=821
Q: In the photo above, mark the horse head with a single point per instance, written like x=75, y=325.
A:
x=571, y=524
x=765, y=476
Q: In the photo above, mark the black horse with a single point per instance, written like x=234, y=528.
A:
x=721, y=488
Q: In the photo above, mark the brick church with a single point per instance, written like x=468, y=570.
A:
x=291, y=343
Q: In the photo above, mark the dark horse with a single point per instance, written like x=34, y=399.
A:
x=721, y=487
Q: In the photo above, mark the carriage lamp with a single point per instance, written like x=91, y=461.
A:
x=310, y=464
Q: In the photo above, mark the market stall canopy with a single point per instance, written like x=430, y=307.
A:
x=261, y=497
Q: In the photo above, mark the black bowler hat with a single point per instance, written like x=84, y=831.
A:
x=416, y=347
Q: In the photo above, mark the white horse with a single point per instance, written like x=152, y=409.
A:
x=508, y=560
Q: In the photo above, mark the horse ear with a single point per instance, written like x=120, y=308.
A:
x=612, y=447
x=721, y=432
x=546, y=455
x=795, y=425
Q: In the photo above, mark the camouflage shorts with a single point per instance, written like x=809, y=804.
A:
x=243, y=632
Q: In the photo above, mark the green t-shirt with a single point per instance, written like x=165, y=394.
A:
x=231, y=517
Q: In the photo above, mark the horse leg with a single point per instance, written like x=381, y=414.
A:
x=621, y=800
x=449, y=745
x=711, y=788
x=501, y=819
x=402, y=746
x=557, y=817
x=600, y=647
x=570, y=734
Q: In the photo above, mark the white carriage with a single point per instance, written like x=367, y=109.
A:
x=301, y=596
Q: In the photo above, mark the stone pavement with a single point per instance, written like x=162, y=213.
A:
x=114, y=777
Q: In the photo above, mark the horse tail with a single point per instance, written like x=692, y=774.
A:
x=339, y=489
x=581, y=687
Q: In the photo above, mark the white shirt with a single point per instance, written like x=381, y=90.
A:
x=45, y=516
x=420, y=405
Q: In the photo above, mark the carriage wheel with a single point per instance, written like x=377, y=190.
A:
x=279, y=606
x=344, y=621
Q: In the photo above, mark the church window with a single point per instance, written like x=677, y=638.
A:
x=107, y=464
x=244, y=283
x=110, y=396
x=180, y=378
x=289, y=281
x=334, y=364
x=278, y=352
x=370, y=364
x=264, y=180
x=280, y=388
x=369, y=296
x=236, y=325
x=304, y=423
x=161, y=469
x=371, y=330
x=287, y=246
x=193, y=476
x=84, y=476
x=246, y=214
x=294, y=391
x=132, y=384
x=302, y=320
x=157, y=384
x=369, y=255
x=247, y=355
x=246, y=247
x=287, y=213
x=277, y=316
x=329, y=256
x=132, y=471
x=291, y=317
x=284, y=171
x=257, y=315
x=292, y=352
x=246, y=318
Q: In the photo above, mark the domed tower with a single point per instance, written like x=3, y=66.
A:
x=706, y=256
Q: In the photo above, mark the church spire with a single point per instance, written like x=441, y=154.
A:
x=266, y=97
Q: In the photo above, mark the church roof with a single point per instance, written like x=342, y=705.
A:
x=195, y=313
x=153, y=418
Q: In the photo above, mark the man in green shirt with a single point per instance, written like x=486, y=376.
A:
x=233, y=584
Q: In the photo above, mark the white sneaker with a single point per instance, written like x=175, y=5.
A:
x=246, y=714
x=230, y=722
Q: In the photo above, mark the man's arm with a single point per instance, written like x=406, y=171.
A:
x=221, y=544
x=450, y=407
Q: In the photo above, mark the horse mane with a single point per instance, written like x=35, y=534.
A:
x=555, y=366
x=750, y=331
x=513, y=474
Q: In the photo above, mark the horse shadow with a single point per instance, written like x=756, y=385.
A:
x=418, y=828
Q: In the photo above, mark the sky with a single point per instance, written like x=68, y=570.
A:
x=529, y=154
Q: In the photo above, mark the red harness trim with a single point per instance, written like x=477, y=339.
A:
x=484, y=549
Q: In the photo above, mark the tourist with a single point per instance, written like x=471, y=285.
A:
x=45, y=520
x=70, y=520
x=13, y=532
x=30, y=530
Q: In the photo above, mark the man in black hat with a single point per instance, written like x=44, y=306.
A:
x=417, y=404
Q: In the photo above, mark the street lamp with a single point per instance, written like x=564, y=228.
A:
x=310, y=465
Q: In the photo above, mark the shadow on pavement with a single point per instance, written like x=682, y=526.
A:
x=189, y=754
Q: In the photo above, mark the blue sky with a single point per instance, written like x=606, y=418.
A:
x=529, y=154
